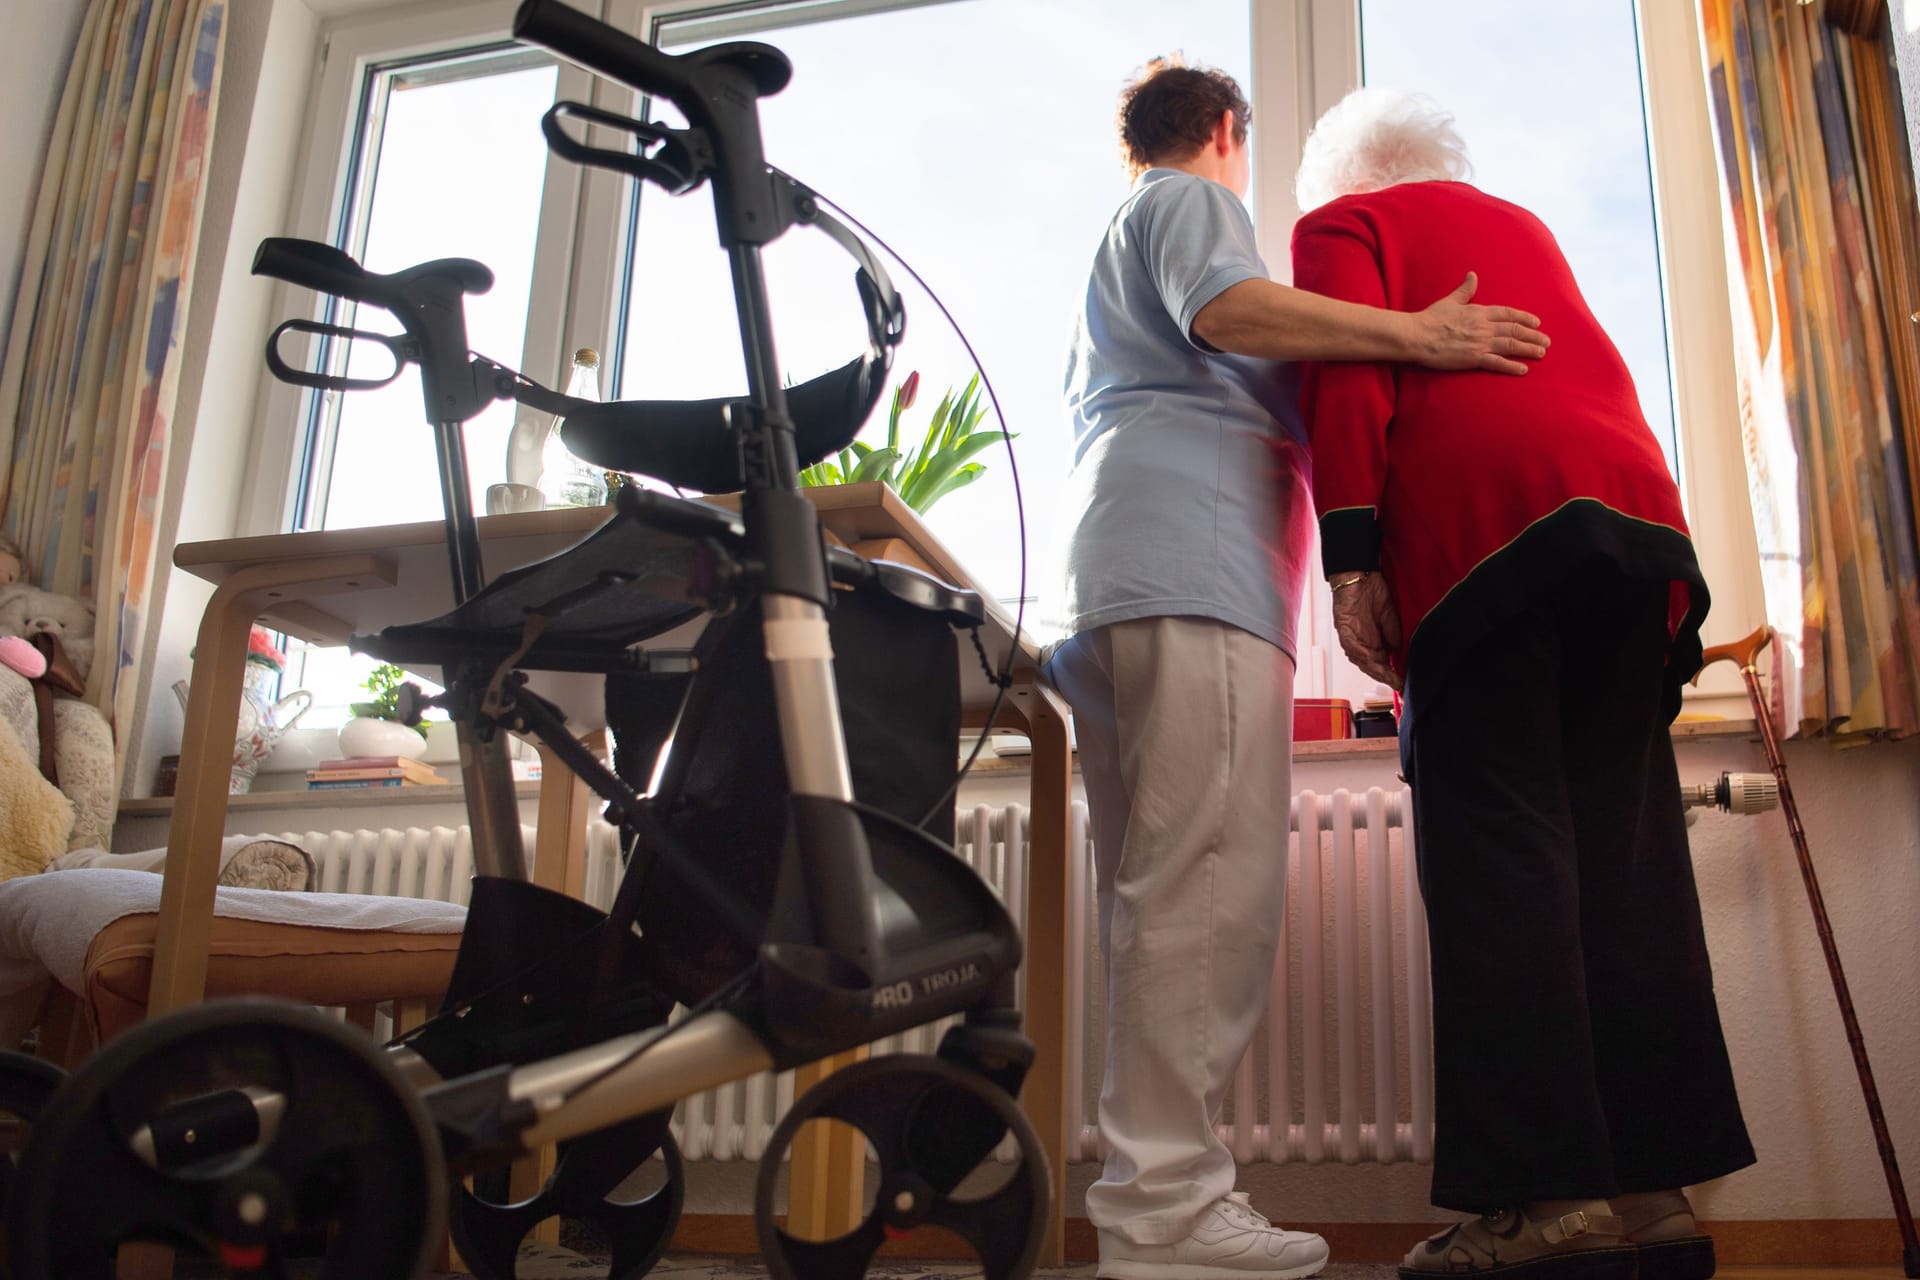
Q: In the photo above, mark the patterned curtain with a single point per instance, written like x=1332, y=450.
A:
x=1819, y=204
x=87, y=391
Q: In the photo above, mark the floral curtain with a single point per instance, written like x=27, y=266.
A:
x=88, y=387
x=1819, y=204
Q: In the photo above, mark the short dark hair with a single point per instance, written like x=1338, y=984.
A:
x=1169, y=110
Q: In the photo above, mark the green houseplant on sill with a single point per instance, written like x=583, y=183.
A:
x=376, y=728
x=942, y=462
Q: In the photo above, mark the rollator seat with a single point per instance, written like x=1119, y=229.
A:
x=630, y=580
x=627, y=581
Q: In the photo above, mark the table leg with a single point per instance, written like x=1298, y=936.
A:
x=559, y=864
x=826, y=1178
x=1047, y=964
x=560, y=836
x=206, y=758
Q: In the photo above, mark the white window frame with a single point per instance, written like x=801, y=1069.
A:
x=349, y=47
x=1306, y=56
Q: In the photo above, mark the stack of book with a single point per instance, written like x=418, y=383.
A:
x=363, y=772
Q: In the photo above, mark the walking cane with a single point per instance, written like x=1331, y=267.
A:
x=1743, y=653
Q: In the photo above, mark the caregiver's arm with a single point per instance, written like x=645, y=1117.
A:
x=1264, y=318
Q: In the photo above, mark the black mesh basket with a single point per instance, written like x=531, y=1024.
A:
x=722, y=799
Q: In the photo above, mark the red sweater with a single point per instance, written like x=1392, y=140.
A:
x=1471, y=490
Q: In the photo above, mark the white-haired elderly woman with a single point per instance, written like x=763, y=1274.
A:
x=1511, y=552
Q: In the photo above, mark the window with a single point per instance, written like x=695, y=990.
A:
x=1590, y=113
x=977, y=139
x=1577, y=69
x=446, y=166
x=1576, y=66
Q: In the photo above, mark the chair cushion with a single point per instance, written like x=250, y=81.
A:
x=50, y=924
x=311, y=964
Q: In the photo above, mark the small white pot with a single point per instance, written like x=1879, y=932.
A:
x=368, y=736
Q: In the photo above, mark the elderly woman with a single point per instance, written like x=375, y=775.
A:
x=1512, y=552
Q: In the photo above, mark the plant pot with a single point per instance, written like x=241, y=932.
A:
x=368, y=736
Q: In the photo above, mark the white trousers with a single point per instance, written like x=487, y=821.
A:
x=1185, y=731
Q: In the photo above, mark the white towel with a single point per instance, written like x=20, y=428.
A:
x=48, y=921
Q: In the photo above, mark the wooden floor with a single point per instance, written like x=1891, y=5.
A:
x=548, y=1263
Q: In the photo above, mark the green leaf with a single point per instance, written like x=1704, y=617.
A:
x=369, y=710
x=875, y=464
x=958, y=480
x=820, y=473
x=931, y=444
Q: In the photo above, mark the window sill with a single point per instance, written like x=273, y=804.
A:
x=401, y=797
x=370, y=798
x=1363, y=748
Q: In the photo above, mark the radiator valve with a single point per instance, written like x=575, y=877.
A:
x=1736, y=793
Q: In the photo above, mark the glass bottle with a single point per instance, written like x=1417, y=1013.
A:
x=565, y=480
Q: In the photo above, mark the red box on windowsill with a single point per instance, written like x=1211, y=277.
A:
x=1322, y=719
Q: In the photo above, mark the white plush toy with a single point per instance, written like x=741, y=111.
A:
x=27, y=611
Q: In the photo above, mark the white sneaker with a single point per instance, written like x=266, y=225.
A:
x=1232, y=1241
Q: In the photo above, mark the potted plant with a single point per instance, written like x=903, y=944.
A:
x=925, y=474
x=376, y=728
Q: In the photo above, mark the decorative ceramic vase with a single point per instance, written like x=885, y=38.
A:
x=370, y=736
x=270, y=720
x=263, y=721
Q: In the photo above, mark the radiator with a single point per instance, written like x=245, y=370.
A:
x=1340, y=1071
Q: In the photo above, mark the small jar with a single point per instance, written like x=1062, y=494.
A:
x=1375, y=720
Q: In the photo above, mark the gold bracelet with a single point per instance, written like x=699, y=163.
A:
x=1347, y=582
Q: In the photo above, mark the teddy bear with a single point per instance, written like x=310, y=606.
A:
x=27, y=611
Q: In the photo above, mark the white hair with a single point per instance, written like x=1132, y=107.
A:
x=1375, y=138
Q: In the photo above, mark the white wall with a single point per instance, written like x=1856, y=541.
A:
x=1801, y=1097
x=33, y=67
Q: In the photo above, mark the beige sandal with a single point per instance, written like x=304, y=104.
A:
x=1660, y=1225
x=1560, y=1240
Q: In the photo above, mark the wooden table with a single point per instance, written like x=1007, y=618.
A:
x=325, y=586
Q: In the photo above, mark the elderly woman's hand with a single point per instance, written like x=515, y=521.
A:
x=1368, y=625
x=1455, y=334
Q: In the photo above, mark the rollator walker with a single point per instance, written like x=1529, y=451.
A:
x=789, y=880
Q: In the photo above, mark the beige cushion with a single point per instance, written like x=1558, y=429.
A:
x=314, y=965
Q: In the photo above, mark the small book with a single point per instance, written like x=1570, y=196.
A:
x=372, y=762
x=362, y=784
x=374, y=767
x=364, y=775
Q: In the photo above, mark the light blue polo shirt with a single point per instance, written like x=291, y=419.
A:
x=1188, y=493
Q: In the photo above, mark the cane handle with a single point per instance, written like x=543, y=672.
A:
x=1742, y=653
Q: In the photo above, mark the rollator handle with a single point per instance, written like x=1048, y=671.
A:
x=717, y=88
x=676, y=160
x=1742, y=653
x=325, y=269
x=612, y=52
x=428, y=300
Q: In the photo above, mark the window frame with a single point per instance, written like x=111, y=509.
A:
x=349, y=49
x=1305, y=57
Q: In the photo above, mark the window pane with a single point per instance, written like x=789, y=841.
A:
x=455, y=171
x=1548, y=98
x=978, y=140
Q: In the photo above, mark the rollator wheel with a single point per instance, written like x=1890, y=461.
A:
x=590, y=1182
x=933, y=1128
x=247, y=1132
x=26, y=1083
